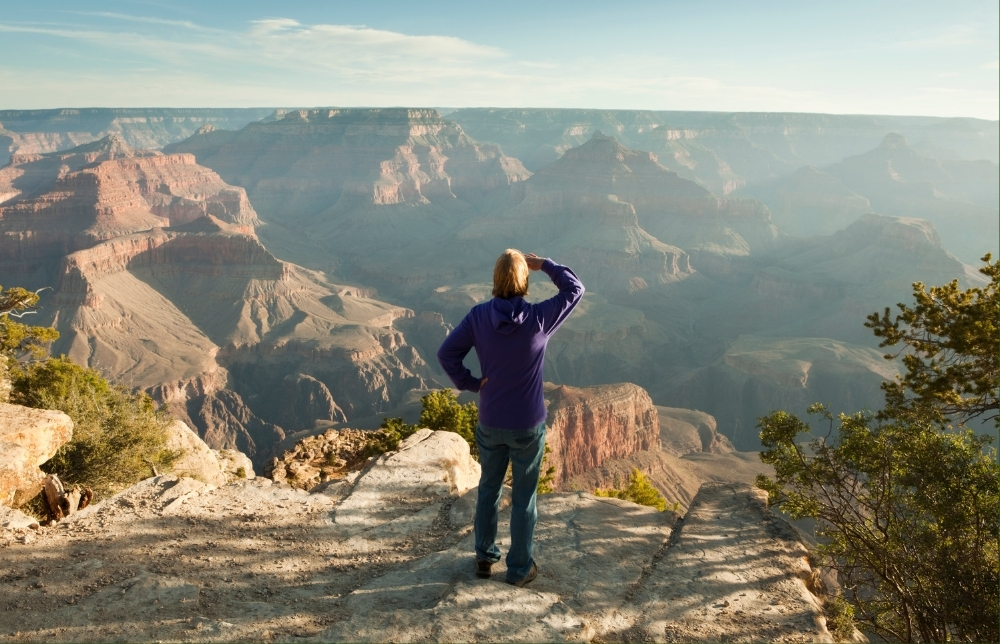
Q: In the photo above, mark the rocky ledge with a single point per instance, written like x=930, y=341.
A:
x=386, y=555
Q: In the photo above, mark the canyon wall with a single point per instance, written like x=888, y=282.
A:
x=587, y=427
x=41, y=131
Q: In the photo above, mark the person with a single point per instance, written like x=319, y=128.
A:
x=510, y=335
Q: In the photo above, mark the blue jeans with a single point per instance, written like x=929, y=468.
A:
x=524, y=451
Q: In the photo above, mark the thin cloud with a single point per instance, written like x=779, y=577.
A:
x=951, y=38
x=314, y=39
x=186, y=24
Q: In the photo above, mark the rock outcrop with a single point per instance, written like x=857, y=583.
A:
x=707, y=572
x=197, y=460
x=589, y=426
x=387, y=555
x=319, y=459
x=28, y=438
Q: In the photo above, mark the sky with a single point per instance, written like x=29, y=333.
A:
x=846, y=57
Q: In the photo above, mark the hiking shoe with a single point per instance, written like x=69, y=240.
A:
x=484, y=568
x=528, y=578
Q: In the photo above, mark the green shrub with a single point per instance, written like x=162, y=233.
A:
x=17, y=339
x=118, y=435
x=906, y=499
x=241, y=472
x=390, y=434
x=442, y=412
x=839, y=618
x=639, y=490
x=548, y=476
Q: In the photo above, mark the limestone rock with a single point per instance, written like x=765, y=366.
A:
x=197, y=460
x=28, y=438
x=235, y=464
x=269, y=560
x=428, y=468
x=574, y=598
x=733, y=570
x=15, y=519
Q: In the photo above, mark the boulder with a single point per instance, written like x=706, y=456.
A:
x=235, y=464
x=28, y=438
x=197, y=459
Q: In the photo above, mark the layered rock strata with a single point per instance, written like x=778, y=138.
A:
x=587, y=427
x=308, y=161
x=162, y=282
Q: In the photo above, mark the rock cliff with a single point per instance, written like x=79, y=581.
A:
x=387, y=555
x=64, y=202
x=587, y=427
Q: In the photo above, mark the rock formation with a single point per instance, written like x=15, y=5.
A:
x=960, y=197
x=587, y=427
x=386, y=555
x=197, y=460
x=28, y=438
x=322, y=458
x=161, y=281
x=357, y=179
x=618, y=211
x=810, y=202
x=64, y=202
x=718, y=149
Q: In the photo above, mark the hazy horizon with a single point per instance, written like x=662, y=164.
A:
x=891, y=58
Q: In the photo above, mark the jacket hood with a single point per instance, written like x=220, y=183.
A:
x=508, y=315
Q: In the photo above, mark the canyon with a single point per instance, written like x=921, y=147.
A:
x=271, y=279
x=281, y=279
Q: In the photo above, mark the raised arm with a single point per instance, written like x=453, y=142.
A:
x=555, y=310
x=453, y=350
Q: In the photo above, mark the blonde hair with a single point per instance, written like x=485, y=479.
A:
x=510, y=275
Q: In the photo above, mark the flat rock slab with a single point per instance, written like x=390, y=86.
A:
x=733, y=573
x=590, y=552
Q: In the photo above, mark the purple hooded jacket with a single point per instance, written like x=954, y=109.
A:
x=509, y=336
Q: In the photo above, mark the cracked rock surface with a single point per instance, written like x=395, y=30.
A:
x=178, y=560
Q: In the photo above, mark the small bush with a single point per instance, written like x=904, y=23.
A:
x=840, y=619
x=390, y=434
x=639, y=490
x=548, y=477
x=241, y=472
x=117, y=434
x=442, y=412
